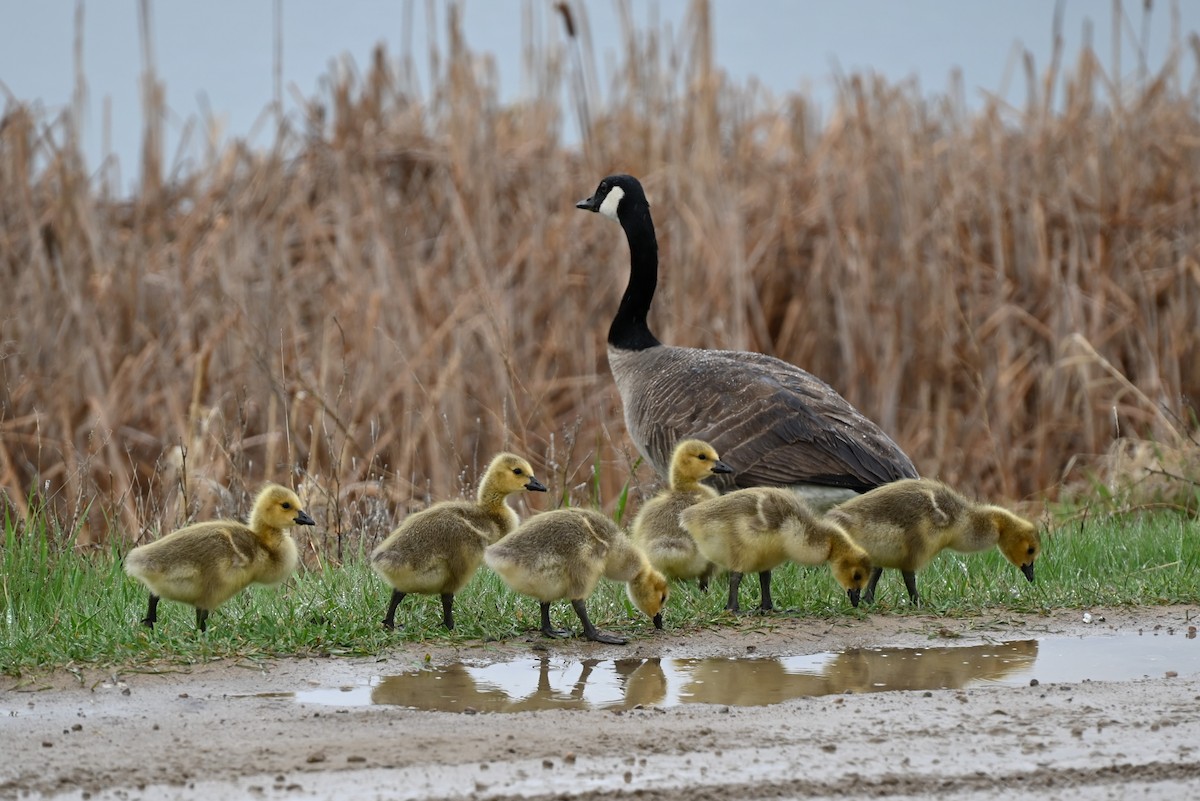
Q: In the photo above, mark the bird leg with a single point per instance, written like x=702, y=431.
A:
x=910, y=584
x=201, y=619
x=764, y=584
x=152, y=613
x=590, y=631
x=706, y=576
x=735, y=581
x=389, y=622
x=869, y=593
x=448, y=610
x=547, y=629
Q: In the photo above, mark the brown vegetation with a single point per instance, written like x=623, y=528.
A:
x=402, y=285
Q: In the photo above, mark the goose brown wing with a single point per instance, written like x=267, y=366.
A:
x=772, y=422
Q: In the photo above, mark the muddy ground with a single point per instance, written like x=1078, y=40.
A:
x=237, y=731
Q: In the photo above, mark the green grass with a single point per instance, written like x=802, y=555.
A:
x=63, y=609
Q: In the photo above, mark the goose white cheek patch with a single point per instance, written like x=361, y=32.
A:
x=611, y=201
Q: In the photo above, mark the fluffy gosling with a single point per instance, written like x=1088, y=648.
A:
x=756, y=529
x=437, y=550
x=563, y=553
x=903, y=525
x=656, y=529
x=206, y=564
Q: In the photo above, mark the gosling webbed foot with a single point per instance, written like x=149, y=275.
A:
x=389, y=620
x=590, y=631
x=549, y=630
x=151, y=612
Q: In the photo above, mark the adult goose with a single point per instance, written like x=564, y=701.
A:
x=773, y=423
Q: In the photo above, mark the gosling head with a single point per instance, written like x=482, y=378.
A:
x=648, y=591
x=852, y=571
x=510, y=473
x=616, y=196
x=1018, y=540
x=695, y=460
x=278, y=507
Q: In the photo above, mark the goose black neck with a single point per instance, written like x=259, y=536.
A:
x=629, y=329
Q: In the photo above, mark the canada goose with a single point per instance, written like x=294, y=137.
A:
x=436, y=551
x=206, y=564
x=563, y=553
x=773, y=423
x=903, y=525
x=755, y=529
x=656, y=528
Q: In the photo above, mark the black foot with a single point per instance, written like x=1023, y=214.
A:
x=448, y=610
x=389, y=620
x=549, y=630
x=735, y=581
x=151, y=612
x=590, y=631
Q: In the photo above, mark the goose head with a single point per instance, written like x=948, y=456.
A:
x=1018, y=540
x=616, y=198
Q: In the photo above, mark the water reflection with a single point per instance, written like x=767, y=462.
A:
x=553, y=683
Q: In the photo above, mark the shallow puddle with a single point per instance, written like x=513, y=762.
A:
x=550, y=682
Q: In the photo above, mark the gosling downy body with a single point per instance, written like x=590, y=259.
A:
x=563, y=553
x=437, y=550
x=206, y=564
x=656, y=529
x=905, y=524
x=773, y=423
x=756, y=529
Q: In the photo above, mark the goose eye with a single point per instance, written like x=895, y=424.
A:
x=287, y=505
x=1030, y=551
x=518, y=471
x=702, y=457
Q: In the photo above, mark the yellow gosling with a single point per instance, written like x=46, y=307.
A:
x=206, y=564
x=656, y=529
x=903, y=525
x=758, y=528
x=562, y=555
x=437, y=550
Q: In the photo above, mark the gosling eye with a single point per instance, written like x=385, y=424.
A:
x=1030, y=551
x=518, y=471
x=287, y=505
x=702, y=457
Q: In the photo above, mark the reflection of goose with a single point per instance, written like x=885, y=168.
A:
x=757, y=682
x=458, y=687
x=748, y=682
x=866, y=670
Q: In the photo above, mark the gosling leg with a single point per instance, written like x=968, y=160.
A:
x=151, y=613
x=448, y=610
x=735, y=581
x=590, y=631
x=389, y=621
x=910, y=584
x=547, y=629
x=201, y=619
x=764, y=584
x=869, y=593
x=706, y=576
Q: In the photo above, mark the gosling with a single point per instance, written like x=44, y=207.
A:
x=656, y=529
x=903, y=525
x=563, y=553
x=757, y=528
x=436, y=551
x=206, y=564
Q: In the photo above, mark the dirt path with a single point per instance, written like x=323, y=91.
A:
x=235, y=731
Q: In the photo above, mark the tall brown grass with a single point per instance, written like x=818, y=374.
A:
x=401, y=285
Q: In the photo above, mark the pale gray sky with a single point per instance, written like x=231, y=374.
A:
x=219, y=53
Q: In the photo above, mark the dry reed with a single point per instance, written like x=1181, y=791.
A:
x=401, y=285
